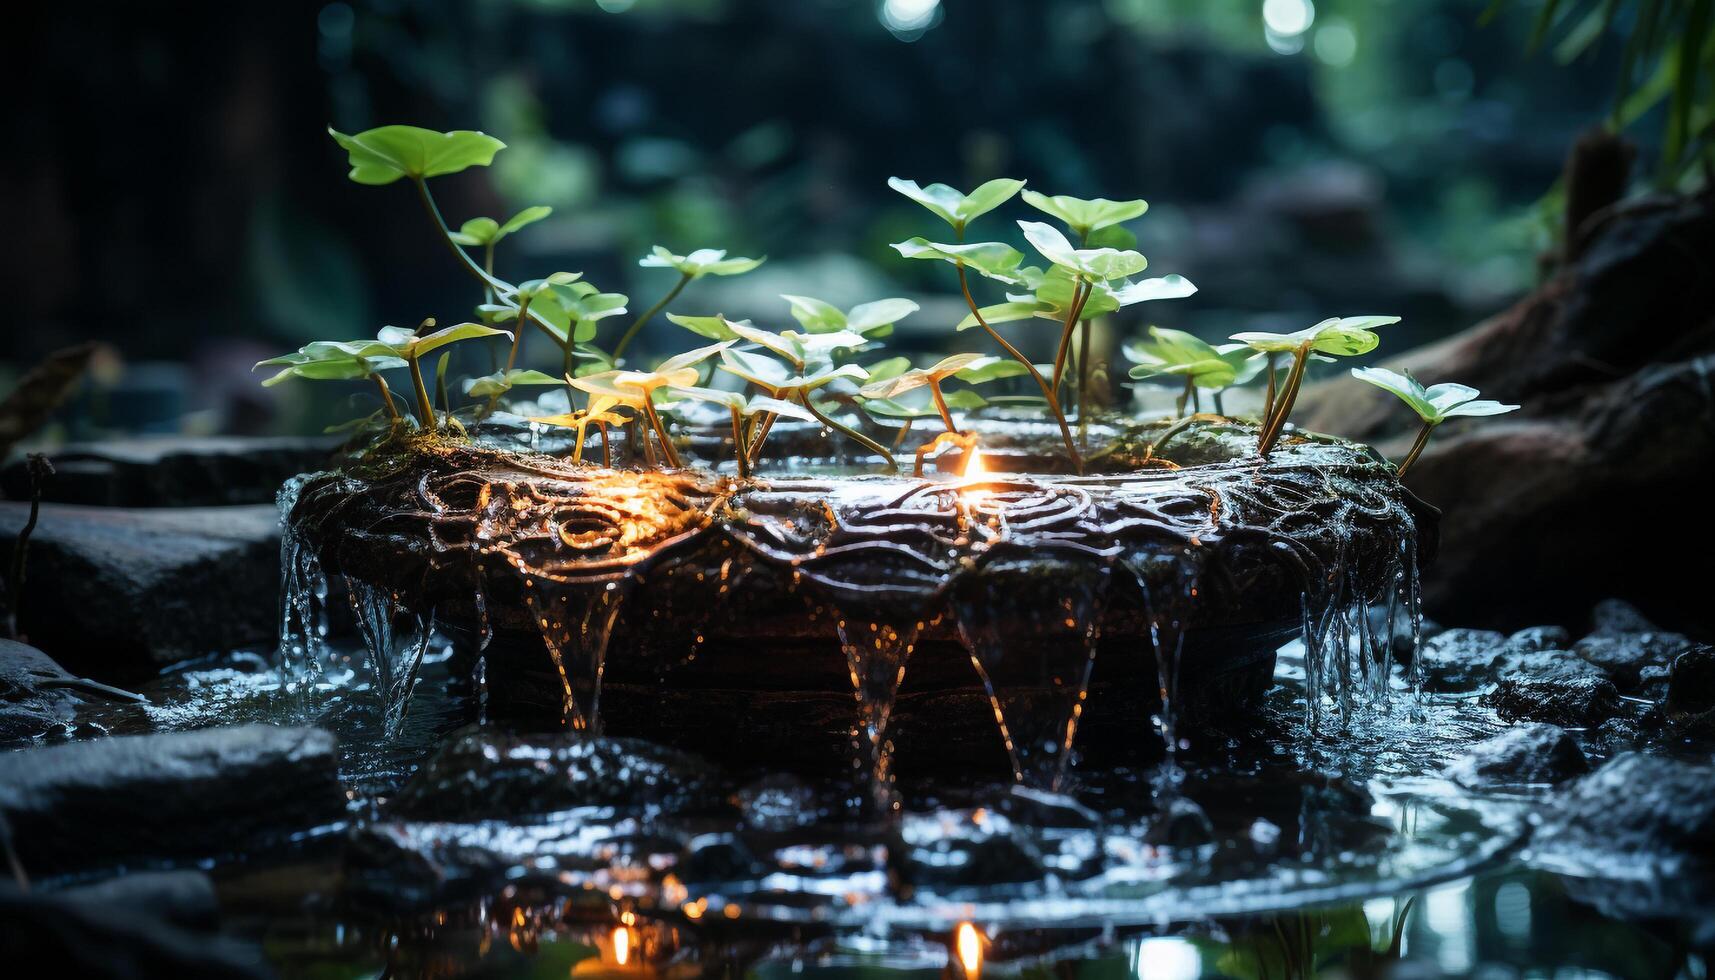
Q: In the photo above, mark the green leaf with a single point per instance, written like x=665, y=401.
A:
x=533, y=288
x=991, y=369
x=892, y=367
x=996, y=260
x=1001, y=313
x=1144, y=290
x=528, y=216
x=1434, y=404
x=385, y=154
x=1086, y=216
x=1344, y=337
x=702, y=262
x=408, y=344
x=918, y=377
x=477, y=232
x=869, y=318
x=326, y=360
x=715, y=327
x=954, y=207
x=1177, y=354
x=815, y=315
x=1099, y=264
x=691, y=358
x=499, y=383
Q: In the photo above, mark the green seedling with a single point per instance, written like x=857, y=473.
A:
x=636, y=389
x=410, y=346
x=1196, y=364
x=873, y=320
x=1335, y=337
x=600, y=413
x=485, y=233
x=1433, y=405
x=971, y=368
x=352, y=360
x=700, y=263
x=743, y=411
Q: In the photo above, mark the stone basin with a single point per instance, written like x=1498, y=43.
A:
x=921, y=622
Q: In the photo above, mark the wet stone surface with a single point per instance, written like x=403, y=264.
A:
x=116, y=593
x=1635, y=805
x=1625, y=656
x=1552, y=686
x=1532, y=752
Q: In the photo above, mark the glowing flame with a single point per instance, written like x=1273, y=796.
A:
x=975, y=468
x=968, y=944
x=621, y=945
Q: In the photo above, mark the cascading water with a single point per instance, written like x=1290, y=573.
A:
x=876, y=653
x=395, y=655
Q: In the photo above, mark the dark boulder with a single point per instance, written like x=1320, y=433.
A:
x=1529, y=753
x=492, y=775
x=1625, y=656
x=1690, y=701
x=1540, y=638
x=1619, y=616
x=173, y=471
x=1552, y=686
x=1610, y=359
x=180, y=796
x=81, y=937
x=117, y=593
x=1635, y=805
x=1460, y=659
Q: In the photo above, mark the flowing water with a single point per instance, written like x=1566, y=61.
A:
x=1314, y=833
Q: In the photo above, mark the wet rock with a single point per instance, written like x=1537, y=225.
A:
x=1635, y=805
x=173, y=471
x=1690, y=700
x=1615, y=735
x=182, y=898
x=1460, y=659
x=117, y=593
x=1691, y=681
x=1652, y=682
x=83, y=938
x=34, y=702
x=406, y=864
x=178, y=796
x=1181, y=823
x=1535, y=638
x=493, y=775
x=1528, y=753
x=1611, y=424
x=777, y=802
x=1552, y=686
x=1624, y=656
x=1619, y=616
x=954, y=849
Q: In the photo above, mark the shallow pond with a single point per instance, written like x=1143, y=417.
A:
x=1266, y=854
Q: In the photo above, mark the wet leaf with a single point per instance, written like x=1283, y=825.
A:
x=1085, y=217
x=387, y=153
x=1099, y=264
x=955, y=207
x=996, y=260
x=702, y=262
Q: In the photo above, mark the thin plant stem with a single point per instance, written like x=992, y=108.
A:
x=518, y=334
x=739, y=448
x=578, y=450
x=850, y=433
x=904, y=430
x=759, y=432
x=649, y=314
x=1220, y=404
x=1184, y=396
x=941, y=406
x=1083, y=369
x=501, y=289
x=386, y=398
x=667, y=449
x=1288, y=395
x=606, y=450
x=1041, y=382
x=1416, y=449
x=488, y=267
x=426, y=407
x=1080, y=295
x=1268, y=396
x=635, y=430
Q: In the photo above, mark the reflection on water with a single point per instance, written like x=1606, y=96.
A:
x=1383, y=869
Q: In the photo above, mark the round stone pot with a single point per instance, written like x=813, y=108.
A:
x=913, y=624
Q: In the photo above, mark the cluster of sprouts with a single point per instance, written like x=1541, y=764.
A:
x=827, y=372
